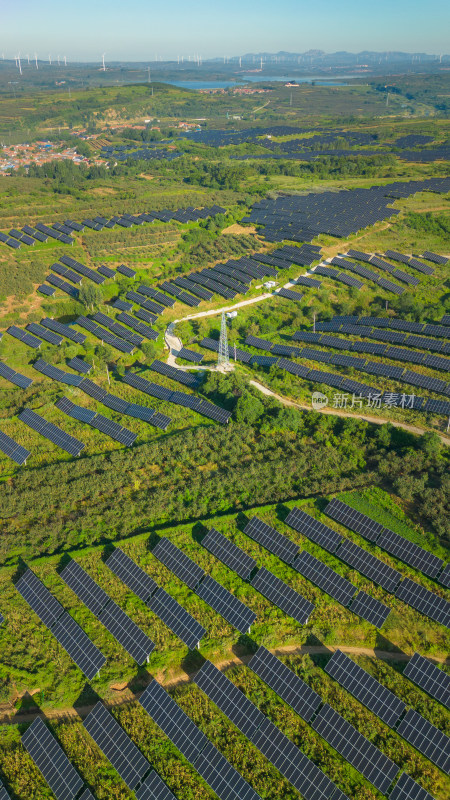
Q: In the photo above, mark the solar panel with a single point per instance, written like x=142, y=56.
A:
x=168, y=715
x=178, y=562
x=223, y=779
x=365, y=688
x=190, y=355
x=78, y=646
x=176, y=618
x=370, y=609
x=324, y=577
x=55, y=373
x=51, y=760
x=290, y=295
x=369, y=565
x=24, y=337
x=426, y=738
x=407, y=789
x=64, y=330
x=429, y=677
x=116, y=745
x=43, y=603
x=231, y=700
x=423, y=600
x=261, y=344
x=153, y=788
x=319, y=533
x=13, y=450
x=49, y=291
x=126, y=632
x=283, y=596
x=79, y=365
x=43, y=333
x=353, y=519
x=226, y=604
x=271, y=539
x=115, y=620
x=355, y=748
x=229, y=553
x=85, y=588
x=131, y=574
x=410, y=553
x=297, y=768
x=444, y=577
x=175, y=374
x=3, y=793
x=287, y=685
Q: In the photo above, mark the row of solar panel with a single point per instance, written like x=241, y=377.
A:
x=64, y=232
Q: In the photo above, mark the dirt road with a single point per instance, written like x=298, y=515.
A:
x=8, y=716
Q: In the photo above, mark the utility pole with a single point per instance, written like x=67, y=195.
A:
x=314, y=322
x=107, y=375
x=224, y=358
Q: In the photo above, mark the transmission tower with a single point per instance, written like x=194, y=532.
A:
x=223, y=359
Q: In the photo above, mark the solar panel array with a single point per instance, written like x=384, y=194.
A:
x=271, y=539
x=178, y=562
x=157, y=599
x=429, y=677
x=52, y=432
x=324, y=577
x=226, y=604
x=365, y=688
x=282, y=595
x=203, y=407
x=64, y=330
x=154, y=788
x=296, y=767
x=12, y=449
x=426, y=738
x=370, y=609
x=355, y=748
x=52, y=761
x=396, y=545
x=116, y=745
x=97, y=421
x=229, y=553
x=428, y=603
x=407, y=789
x=24, y=337
x=104, y=335
x=231, y=700
x=14, y=377
x=287, y=685
x=69, y=634
x=115, y=620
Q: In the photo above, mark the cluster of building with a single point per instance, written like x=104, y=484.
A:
x=23, y=155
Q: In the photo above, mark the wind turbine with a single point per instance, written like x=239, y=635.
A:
x=19, y=64
x=103, y=63
x=28, y=59
x=49, y=60
x=57, y=58
x=65, y=61
x=35, y=58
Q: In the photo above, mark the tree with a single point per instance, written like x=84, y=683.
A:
x=90, y=295
x=149, y=350
x=248, y=409
x=431, y=445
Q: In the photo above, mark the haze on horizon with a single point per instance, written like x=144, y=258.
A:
x=141, y=32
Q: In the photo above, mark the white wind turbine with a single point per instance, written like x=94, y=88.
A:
x=103, y=63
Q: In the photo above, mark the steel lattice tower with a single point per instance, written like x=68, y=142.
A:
x=224, y=358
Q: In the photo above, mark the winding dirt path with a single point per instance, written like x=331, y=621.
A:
x=8, y=715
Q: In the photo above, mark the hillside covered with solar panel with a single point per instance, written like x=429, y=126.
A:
x=224, y=430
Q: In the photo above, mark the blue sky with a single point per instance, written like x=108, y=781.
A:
x=142, y=29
